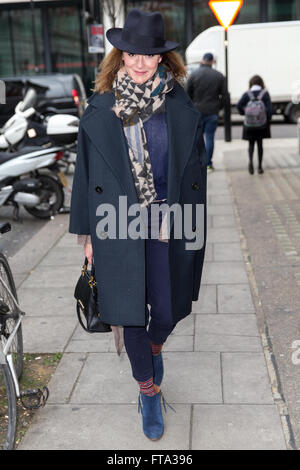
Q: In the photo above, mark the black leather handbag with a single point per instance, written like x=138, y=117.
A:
x=86, y=297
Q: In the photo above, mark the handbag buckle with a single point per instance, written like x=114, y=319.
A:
x=83, y=269
x=92, y=282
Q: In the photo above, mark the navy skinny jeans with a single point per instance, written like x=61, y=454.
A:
x=137, y=339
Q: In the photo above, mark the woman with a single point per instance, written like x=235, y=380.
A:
x=140, y=140
x=256, y=134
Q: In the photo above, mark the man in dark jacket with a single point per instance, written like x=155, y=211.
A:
x=207, y=89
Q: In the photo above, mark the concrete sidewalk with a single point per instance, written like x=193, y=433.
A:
x=217, y=373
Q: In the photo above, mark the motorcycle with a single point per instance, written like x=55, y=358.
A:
x=32, y=177
x=28, y=127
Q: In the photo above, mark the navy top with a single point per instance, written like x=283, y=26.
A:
x=157, y=139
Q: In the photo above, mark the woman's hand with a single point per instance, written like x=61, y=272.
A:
x=88, y=252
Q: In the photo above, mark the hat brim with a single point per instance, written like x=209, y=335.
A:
x=114, y=37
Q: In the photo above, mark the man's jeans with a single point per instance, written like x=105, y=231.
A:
x=209, y=126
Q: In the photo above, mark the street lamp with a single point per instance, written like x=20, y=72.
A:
x=226, y=12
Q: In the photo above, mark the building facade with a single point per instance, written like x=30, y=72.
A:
x=51, y=36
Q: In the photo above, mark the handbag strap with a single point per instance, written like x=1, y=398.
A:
x=92, y=268
x=79, y=317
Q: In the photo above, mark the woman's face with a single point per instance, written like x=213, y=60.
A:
x=140, y=67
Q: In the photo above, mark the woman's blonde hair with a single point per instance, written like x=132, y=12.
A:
x=113, y=61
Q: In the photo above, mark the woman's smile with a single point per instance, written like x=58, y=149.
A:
x=147, y=62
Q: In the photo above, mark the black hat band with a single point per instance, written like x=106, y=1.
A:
x=146, y=41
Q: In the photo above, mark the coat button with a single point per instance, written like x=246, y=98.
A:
x=195, y=185
x=98, y=189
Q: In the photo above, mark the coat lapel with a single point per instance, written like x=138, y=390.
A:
x=111, y=141
x=182, y=122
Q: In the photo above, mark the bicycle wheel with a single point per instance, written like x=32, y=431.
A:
x=8, y=326
x=8, y=409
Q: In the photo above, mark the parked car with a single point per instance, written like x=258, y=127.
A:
x=58, y=93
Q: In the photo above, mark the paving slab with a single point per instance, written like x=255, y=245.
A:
x=207, y=300
x=237, y=427
x=179, y=343
x=47, y=334
x=219, y=188
x=199, y=377
x=68, y=240
x=223, y=234
x=208, y=252
x=234, y=299
x=100, y=379
x=245, y=378
x=103, y=427
x=53, y=276
x=224, y=273
x=39, y=245
x=59, y=256
x=220, y=199
x=227, y=333
x=92, y=344
x=219, y=209
x=209, y=221
x=66, y=374
x=223, y=221
x=186, y=326
x=105, y=378
x=46, y=301
x=227, y=252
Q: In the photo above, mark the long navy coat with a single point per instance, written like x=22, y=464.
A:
x=103, y=173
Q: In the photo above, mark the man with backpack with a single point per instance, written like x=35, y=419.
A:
x=256, y=106
x=207, y=89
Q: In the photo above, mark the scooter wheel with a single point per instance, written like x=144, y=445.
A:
x=51, y=198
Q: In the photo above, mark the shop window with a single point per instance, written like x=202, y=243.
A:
x=174, y=17
x=65, y=40
x=6, y=65
x=27, y=55
x=284, y=10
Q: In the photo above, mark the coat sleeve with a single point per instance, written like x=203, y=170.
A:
x=79, y=210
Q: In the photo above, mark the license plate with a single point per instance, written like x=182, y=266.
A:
x=62, y=178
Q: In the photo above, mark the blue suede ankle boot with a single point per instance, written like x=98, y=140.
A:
x=158, y=369
x=153, y=424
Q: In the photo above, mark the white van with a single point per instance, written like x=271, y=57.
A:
x=270, y=50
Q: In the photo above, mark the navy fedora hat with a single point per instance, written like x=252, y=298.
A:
x=143, y=33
